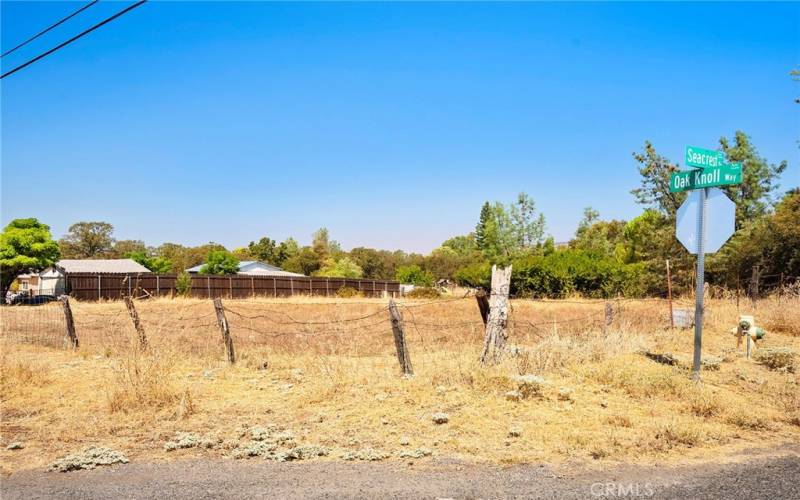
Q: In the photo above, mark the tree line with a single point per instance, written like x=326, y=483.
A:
x=604, y=258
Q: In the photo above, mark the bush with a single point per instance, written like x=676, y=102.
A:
x=183, y=284
x=777, y=358
x=220, y=262
x=424, y=293
x=478, y=275
x=414, y=275
x=568, y=272
x=347, y=292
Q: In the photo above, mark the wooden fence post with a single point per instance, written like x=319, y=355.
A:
x=136, y=323
x=609, y=317
x=754, y=279
x=72, y=336
x=496, y=335
x=483, y=305
x=669, y=297
x=400, y=339
x=226, y=332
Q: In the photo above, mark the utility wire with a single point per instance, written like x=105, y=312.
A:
x=37, y=35
x=79, y=35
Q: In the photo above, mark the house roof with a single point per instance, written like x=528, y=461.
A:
x=254, y=267
x=114, y=266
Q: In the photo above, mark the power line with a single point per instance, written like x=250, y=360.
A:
x=37, y=35
x=79, y=35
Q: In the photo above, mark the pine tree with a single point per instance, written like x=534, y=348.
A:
x=480, y=229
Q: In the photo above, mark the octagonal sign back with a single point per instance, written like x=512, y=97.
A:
x=720, y=221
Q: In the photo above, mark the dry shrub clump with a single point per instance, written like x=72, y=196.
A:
x=777, y=358
x=144, y=381
x=21, y=376
x=703, y=402
x=640, y=380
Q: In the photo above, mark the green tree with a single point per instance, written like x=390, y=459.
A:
x=87, y=240
x=122, y=248
x=265, y=250
x=25, y=245
x=286, y=250
x=465, y=245
x=373, y=263
x=598, y=236
x=753, y=197
x=306, y=262
x=527, y=226
x=481, y=228
x=323, y=245
x=220, y=262
x=158, y=265
x=341, y=268
x=414, y=275
x=654, y=190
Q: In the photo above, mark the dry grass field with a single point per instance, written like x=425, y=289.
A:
x=325, y=371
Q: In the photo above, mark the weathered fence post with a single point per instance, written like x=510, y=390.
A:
x=609, y=317
x=669, y=297
x=483, y=305
x=226, y=332
x=754, y=279
x=136, y=323
x=400, y=339
x=72, y=336
x=496, y=335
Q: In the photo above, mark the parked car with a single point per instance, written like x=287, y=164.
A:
x=24, y=298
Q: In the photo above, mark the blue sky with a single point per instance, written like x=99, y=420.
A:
x=390, y=124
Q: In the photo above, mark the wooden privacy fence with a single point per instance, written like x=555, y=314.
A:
x=93, y=286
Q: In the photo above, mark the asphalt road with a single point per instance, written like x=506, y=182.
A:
x=772, y=478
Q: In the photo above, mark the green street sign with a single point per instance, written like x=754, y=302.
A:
x=703, y=158
x=714, y=176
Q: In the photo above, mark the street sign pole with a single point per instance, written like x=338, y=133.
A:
x=700, y=288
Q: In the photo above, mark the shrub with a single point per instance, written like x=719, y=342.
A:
x=424, y=293
x=476, y=275
x=568, y=272
x=220, y=262
x=348, y=292
x=183, y=284
x=414, y=275
x=777, y=358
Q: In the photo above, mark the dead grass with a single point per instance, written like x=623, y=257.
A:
x=338, y=385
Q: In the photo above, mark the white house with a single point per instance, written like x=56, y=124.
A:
x=52, y=282
x=253, y=268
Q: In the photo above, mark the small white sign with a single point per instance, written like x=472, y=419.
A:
x=720, y=221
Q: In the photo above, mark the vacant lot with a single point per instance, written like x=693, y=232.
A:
x=319, y=379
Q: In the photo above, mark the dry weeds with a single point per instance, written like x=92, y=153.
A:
x=338, y=387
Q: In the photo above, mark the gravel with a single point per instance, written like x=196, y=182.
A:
x=750, y=478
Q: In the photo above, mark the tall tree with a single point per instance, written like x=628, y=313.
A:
x=654, y=190
x=87, y=240
x=528, y=227
x=483, y=221
x=122, y=248
x=25, y=245
x=754, y=196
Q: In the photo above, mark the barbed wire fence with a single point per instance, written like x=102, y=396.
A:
x=195, y=328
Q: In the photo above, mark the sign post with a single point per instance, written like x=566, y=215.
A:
x=704, y=221
x=699, y=292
